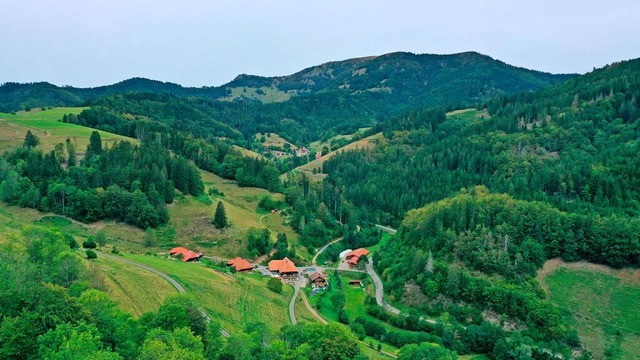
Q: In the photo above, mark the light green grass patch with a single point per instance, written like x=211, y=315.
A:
x=134, y=289
x=46, y=125
x=605, y=308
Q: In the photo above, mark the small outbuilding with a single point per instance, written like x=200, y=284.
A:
x=355, y=282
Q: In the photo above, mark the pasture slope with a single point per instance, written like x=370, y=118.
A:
x=603, y=302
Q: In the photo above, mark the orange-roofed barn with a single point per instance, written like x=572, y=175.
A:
x=283, y=267
x=354, y=256
x=187, y=255
x=240, y=264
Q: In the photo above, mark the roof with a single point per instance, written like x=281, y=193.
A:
x=177, y=250
x=187, y=255
x=317, y=275
x=283, y=266
x=240, y=264
x=358, y=253
x=355, y=282
x=354, y=260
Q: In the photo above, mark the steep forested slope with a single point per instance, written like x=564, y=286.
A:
x=573, y=145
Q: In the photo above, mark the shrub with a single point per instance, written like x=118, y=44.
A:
x=91, y=254
x=89, y=244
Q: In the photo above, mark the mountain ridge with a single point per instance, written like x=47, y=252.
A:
x=397, y=73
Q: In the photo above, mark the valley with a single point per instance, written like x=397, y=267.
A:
x=499, y=220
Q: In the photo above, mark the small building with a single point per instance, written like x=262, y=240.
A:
x=318, y=280
x=187, y=255
x=239, y=264
x=355, y=282
x=285, y=268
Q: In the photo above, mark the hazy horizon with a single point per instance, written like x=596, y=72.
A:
x=206, y=43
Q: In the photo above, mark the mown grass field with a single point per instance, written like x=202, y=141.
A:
x=46, y=125
x=232, y=300
x=135, y=290
x=604, y=303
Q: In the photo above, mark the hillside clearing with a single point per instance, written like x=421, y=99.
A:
x=365, y=143
x=603, y=302
x=47, y=126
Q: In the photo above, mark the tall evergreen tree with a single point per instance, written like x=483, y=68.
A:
x=30, y=140
x=220, y=218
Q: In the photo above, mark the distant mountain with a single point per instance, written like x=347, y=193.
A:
x=400, y=80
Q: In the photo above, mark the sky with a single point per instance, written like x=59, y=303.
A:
x=208, y=42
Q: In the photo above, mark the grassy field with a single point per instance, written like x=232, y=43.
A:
x=365, y=143
x=233, y=300
x=318, y=145
x=46, y=126
x=247, y=152
x=273, y=139
x=604, y=304
x=263, y=93
x=136, y=291
x=468, y=114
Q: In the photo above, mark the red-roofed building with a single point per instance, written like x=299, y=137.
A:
x=354, y=256
x=240, y=264
x=283, y=267
x=187, y=255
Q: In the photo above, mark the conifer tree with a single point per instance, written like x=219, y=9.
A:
x=30, y=140
x=220, y=218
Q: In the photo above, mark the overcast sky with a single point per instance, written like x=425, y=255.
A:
x=197, y=42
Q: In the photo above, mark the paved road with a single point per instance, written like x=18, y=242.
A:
x=391, y=231
x=379, y=288
x=165, y=276
x=292, y=305
x=313, y=261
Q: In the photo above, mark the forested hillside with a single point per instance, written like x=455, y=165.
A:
x=339, y=96
x=573, y=145
x=521, y=180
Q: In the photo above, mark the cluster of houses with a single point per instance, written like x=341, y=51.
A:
x=284, y=268
x=299, y=152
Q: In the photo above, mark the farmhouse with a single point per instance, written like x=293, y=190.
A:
x=187, y=255
x=354, y=256
x=240, y=264
x=284, y=268
x=318, y=280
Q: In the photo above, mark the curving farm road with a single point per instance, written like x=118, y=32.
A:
x=322, y=249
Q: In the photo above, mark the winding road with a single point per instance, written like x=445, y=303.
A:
x=163, y=275
x=322, y=249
